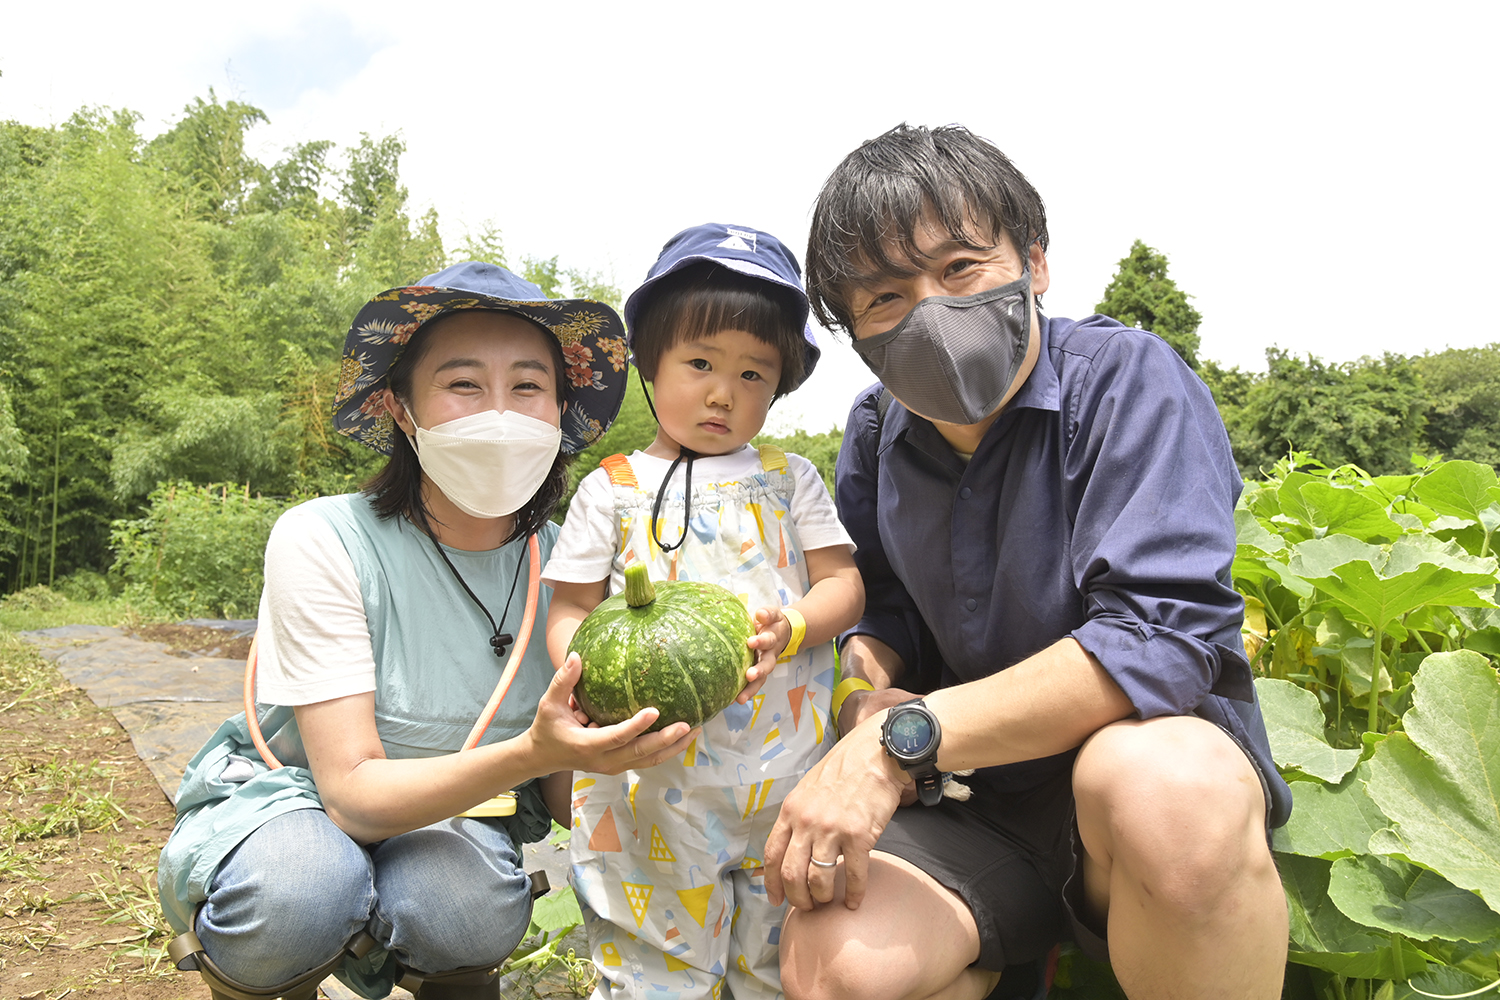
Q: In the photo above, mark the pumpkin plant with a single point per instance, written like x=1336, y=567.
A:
x=1372, y=624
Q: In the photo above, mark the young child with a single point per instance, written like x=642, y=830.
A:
x=667, y=861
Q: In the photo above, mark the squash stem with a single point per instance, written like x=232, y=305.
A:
x=639, y=590
x=1376, y=657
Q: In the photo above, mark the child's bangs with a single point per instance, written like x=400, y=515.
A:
x=705, y=300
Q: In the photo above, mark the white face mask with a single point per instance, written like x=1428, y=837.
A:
x=489, y=464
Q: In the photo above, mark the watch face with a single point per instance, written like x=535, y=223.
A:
x=909, y=734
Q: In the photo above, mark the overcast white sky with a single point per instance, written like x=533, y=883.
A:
x=1321, y=175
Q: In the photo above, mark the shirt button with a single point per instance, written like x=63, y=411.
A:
x=966, y=493
x=971, y=604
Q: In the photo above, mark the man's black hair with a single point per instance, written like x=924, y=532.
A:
x=397, y=488
x=705, y=298
x=865, y=221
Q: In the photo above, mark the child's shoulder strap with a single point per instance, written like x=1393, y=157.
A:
x=773, y=459
x=619, y=471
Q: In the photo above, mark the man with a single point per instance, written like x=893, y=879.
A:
x=1044, y=514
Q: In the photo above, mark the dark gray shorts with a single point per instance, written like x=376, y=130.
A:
x=1008, y=855
x=1016, y=859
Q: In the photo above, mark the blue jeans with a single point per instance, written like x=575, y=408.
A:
x=293, y=893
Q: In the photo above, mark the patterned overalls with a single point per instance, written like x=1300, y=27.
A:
x=667, y=861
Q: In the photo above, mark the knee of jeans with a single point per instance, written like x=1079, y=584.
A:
x=452, y=918
x=286, y=899
x=440, y=931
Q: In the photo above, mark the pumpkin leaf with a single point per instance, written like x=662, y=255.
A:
x=1440, y=779
x=1338, y=510
x=1253, y=565
x=1387, y=489
x=1395, y=896
x=1330, y=821
x=1461, y=489
x=1296, y=728
x=1289, y=497
x=1323, y=937
x=1249, y=532
x=554, y=912
x=1377, y=584
x=1442, y=981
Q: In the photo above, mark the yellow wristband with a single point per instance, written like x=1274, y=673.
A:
x=846, y=687
x=799, y=632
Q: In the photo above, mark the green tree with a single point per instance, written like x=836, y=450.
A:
x=557, y=281
x=204, y=157
x=373, y=178
x=1141, y=295
x=174, y=311
x=486, y=245
x=107, y=291
x=1369, y=412
x=295, y=183
x=1463, y=391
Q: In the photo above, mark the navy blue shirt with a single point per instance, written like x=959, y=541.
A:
x=1100, y=504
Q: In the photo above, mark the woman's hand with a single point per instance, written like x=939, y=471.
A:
x=772, y=633
x=561, y=742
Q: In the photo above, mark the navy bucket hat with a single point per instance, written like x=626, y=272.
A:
x=592, y=337
x=739, y=248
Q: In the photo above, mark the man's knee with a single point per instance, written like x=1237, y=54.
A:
x=1176, y=802
x=821, y=961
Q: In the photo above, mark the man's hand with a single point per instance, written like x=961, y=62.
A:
x=838, y=808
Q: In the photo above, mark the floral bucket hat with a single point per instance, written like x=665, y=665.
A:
x=590, y=333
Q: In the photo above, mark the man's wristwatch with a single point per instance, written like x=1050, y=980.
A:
x=911, y=734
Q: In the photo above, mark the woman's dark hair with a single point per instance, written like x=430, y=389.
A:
x=397, y=488
x=703, y=299
x=865, y=221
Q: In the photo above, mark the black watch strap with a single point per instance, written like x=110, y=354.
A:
x=929, y=784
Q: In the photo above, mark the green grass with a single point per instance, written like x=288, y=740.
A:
x=75, y=803
x=127, y=895
x=40, y=607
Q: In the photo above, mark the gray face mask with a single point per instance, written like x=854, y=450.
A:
x=954, y=358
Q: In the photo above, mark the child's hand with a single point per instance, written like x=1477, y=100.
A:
x=772, y=633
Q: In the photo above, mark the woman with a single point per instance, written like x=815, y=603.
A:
x=386, y=620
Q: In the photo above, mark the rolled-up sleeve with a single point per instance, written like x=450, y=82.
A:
x=1151, y=486
x=890, y=615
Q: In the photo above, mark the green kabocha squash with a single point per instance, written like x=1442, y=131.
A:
x=678, y=646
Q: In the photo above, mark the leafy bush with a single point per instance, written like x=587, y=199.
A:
x=1372, y=622
x=198, y=551
x=38, y=598
x=84, y=585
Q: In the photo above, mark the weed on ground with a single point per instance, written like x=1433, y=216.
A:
x=81, y=824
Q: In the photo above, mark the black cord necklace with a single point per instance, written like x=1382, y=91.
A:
x=499, y=641
x=687, y=498
x=683, y=453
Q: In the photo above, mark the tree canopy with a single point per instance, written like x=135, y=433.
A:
x=174, y=309
x=1141, y=295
